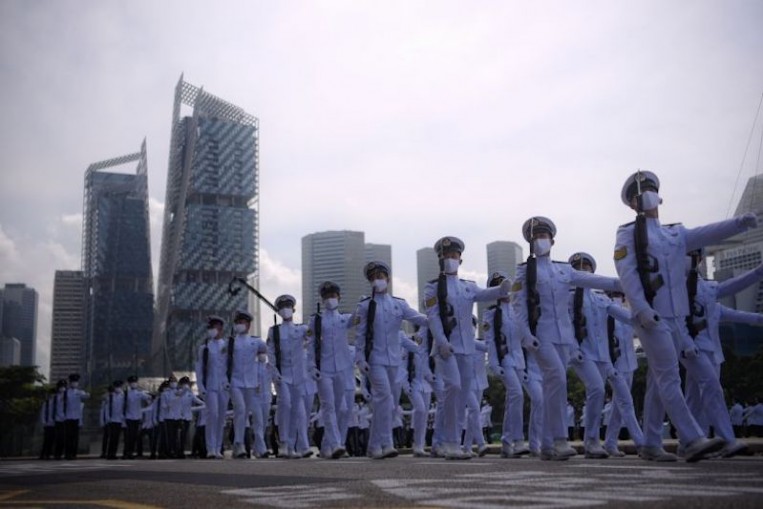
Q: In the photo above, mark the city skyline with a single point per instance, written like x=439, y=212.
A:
x=399, y=121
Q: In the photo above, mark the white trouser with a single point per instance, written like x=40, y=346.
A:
x=663, y=384
x=382, y=382
x=552, y=360
x=622, y=402
x=438, y=388
x=513, y=421
x=458, y=374
x=588, y=373
x=331, y=393
x=303, y=443
x=244, y=404
x=615, y=419
x=420, y=401
x=703, y=380
x=473, y=433
x=260, y=420
x=290, y=413
x=217, y=406
x=534, y=389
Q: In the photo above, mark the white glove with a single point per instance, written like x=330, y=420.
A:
x=315, y=374
x=226, y=386
x=505, y=287
x=429, y=377
x=748, y=220
x=648, y=319
x=408, y=389
x=577, y=356
x=523, y=376
x=531, y=343
x=276, y=376
x=498, y=371
x=690, y=352
x=445, y=351
x=363, y=366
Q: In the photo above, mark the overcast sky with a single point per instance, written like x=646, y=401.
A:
x=406, y=120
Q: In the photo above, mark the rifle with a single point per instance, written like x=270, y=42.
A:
x=644, y=264
x=500, y=339
x=318, y=333
x=531, y=279
x=446, y=313
x=277, y=343
x=614, y=342
x=370, y=326
x=695, y=309
x=578, y=317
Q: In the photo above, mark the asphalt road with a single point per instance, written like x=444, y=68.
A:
x=400, y=482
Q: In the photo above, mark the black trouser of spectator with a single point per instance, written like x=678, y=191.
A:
x=60, y=440
x=131, y=437
x=570, y=433
x=161, y=439
x=173, y=429
x=48, y=439
x=363, y=441
x=115, y=429
x=104, y=440
x=199, y=447
x=72, y=438
x=428, y=436
x=183, y=440
x=352, y=441
x=486, y=434
x=273, y=439
x=153, y=441
x=318, y=436
x=397, y=437
x=139, y=442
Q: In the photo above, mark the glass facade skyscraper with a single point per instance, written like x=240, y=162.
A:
x=116, y=265
x=211, y=222
x=18, y=319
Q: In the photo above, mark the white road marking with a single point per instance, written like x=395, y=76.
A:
x=292, y=496
x=47, y=467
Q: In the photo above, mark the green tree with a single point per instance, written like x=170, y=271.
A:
x=22, y=392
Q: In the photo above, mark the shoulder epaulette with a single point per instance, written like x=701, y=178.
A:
x=398, y=298
x=672, y=224
x=560, y=261
x=494, y=306
x=627, y=224
x=362, y=299
x=434, y=280
x=522, y=264
x=467, y=281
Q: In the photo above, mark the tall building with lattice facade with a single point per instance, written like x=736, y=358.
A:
x=18, y=319
x=427, y=269
x=211, y=219
x=116, y=265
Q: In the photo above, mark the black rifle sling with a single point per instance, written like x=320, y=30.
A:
x=370, y=327
x=578, y=317
x=229, y=368
x=318, y=336
x=613, y=341
x=695, y=310
x=205, y=363
x=277, y=345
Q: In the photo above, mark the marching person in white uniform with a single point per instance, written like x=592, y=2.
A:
x=214, y=386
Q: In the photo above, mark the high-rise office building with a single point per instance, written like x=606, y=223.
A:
x=502, y=255
x=116, y=266
x=67, y=338
x=427, y=269
x=211, y=222
x=19, y=319
x=337, y=256
x=10, y=352
x=382, y=253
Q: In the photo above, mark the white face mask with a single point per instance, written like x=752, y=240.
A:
x=331, y=303
x=62, y=389
x=542, y=246
x=118, y=390
x=450, y=265
x=262, y=357
x=173, y=385
x=212, y=333
x=286, y=313
x=380, y=285
x=241, y=328
x=650, y=200
x=134, y=385
x=74, y=385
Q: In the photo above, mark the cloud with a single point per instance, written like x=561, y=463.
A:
x=73, y=220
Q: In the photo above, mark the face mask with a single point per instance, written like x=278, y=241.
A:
x=286, y=313
x=134, y=385
x=183, y=387
x=62, y=389
x=173, y=385
x=75, y=385
x=380, y=285
x=262, y=357
x=118, y=390
x=212, y=333
x=450, y=265
x=542, y=246
x=331, y=303
x=650, y=200
x=241, y=328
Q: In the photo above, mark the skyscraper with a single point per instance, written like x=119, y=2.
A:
x=116, y=266
x=502, y=255
x=19, y=319
x=382, y=253
x=211, y=220
x=427, y=269
x=336, y=256
x=67, y=339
